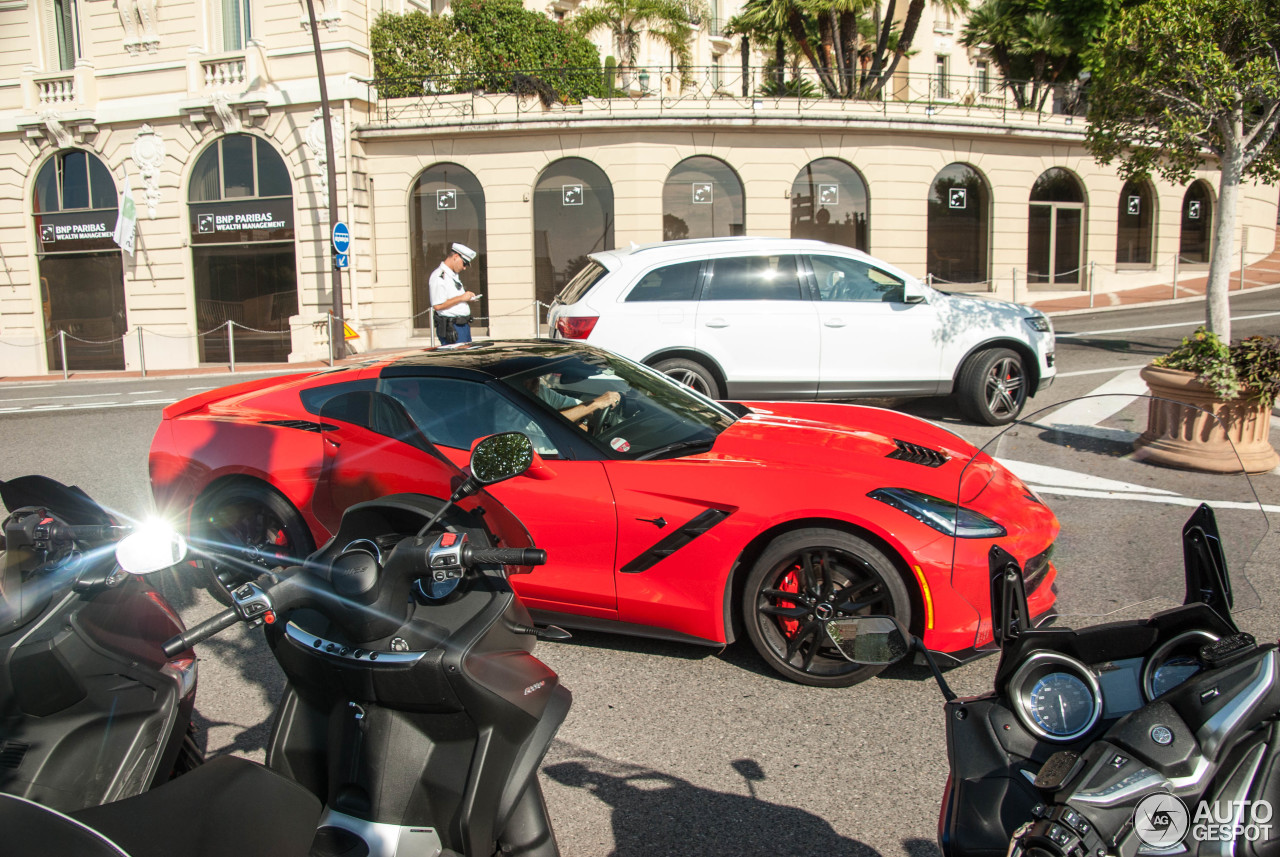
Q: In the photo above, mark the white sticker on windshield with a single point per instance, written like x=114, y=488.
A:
x=620, y=444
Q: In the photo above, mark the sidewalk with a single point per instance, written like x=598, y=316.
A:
x=1261, y=274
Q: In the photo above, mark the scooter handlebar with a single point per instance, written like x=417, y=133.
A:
x=504, y=556
x=201, y=632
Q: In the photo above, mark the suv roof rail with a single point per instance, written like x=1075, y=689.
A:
x=734, y=239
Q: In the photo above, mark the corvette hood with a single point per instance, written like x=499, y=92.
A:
x=818, y=436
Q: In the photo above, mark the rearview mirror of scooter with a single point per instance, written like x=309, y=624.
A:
x=152, y=547
x=871, y=639
x=500, y=457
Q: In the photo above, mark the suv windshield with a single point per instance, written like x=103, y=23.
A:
x=581, y=283
x=625, y=409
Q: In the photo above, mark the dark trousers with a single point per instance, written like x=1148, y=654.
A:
x=451, y=330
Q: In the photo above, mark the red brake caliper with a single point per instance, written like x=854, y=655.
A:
x=789, y=583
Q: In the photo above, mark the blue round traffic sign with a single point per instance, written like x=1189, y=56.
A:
x=341, y=237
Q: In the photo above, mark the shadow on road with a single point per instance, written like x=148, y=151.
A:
x=654, y=813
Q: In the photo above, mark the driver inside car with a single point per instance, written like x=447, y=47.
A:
x=570, y=408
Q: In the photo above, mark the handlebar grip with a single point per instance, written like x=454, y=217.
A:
x=506, y=556
x=201, y=632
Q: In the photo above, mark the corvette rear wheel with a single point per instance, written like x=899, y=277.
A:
x=243, y=529
x=804, y=581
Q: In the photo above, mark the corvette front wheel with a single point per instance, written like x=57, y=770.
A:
x=804, y=581
x=243, y=528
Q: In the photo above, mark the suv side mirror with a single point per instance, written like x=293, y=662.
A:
x=913, y=292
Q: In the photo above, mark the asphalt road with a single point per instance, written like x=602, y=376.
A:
x=669, y=749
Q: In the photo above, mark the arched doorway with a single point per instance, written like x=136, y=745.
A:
x=81, y=272
x=959, y=226
x=1055, y=230
x=240, y=205
x=447, y=207
x=702, y=198
x=1134, y=224
x=829, y=203
x=1197, y=222
x=572, y=216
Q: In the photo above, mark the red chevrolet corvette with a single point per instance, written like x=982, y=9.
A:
x=664, y=513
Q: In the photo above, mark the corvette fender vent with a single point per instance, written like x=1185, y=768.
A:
x=11, y=753
x=301, y=425
x=917, y=454
x=675, y=540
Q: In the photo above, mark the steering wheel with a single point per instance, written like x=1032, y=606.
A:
x=604, y=419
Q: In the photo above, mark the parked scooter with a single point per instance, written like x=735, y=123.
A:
x=1156, y=732
x=91, y=709
x=414, y=711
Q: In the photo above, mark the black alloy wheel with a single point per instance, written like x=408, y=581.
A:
x=993, y=386
x=804, y=581
x=242, y=529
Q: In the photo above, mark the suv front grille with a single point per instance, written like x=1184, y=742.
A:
x=917, y=454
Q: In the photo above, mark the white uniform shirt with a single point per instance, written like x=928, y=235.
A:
x=443, y=285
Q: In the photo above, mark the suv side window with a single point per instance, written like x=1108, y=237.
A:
x=672, y=283
x=842, y=279
x=455, y=413
x=754, y=278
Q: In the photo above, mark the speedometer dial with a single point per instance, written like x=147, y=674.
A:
x=1056, y=697
x=1061, y=704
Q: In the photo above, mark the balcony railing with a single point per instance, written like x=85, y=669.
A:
x=533, y=94
x=224, y=73
x=57, y=91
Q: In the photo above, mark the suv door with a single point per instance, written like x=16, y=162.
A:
x=872, y=341
x=755, y=317
x=658, y=311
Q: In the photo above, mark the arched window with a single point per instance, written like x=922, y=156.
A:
x=702, y=198
x=1197, y=221
x=1133, y=224
x=959, y=226
x=829, y=203
x=572, y=217
x=81, y=272
x=447, y=207
x=1055, y=230
x=240, y=205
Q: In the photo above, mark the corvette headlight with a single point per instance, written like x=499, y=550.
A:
x=1039, y=323
x=944, y=516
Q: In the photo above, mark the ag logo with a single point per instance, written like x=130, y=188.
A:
x=958, y=197
x=1161, y=820
x=828, y=194
x=702, y=193
x=1135, y=205
x=446, y=199
x=571, y=194
x=1193, y=209
x=204, y=223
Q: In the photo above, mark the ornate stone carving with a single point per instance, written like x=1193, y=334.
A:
x=328, y=15
x=315, y=142
x=58, y=134
x=148, y=157
x=138, y=17
x=227, y=115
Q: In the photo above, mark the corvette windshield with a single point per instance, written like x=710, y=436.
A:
x=626, y=409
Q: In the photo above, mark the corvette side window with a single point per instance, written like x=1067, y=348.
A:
x=841, y=279
x=456, y=413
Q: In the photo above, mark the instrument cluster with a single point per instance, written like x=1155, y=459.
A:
x=1060, y=699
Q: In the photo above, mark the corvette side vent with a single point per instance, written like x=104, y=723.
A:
x=301, y=425
x=917, y=454
x=11, y=753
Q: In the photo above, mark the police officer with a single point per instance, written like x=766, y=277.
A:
x=449, y=299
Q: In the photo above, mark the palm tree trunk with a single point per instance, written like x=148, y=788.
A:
x=877, y=59
x=796, y=24
x=909, y=27
x=848, y=30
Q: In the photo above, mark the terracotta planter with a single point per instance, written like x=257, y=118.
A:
x=1187, y=438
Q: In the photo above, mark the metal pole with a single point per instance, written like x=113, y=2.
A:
x=327, y=118
x=431, y=327
x=142, y=354
x=1092, y=271
x=62, y=344
x=1175, y=275
x=330, y=318
x=1244, y=242
x=1015, y=285
x=928, y=279
x=231, y=343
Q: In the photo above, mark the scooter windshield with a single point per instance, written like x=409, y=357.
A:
x=374, y=444
x=1088, y=500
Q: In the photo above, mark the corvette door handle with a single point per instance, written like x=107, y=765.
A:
x=834, y=322
x=717, y=322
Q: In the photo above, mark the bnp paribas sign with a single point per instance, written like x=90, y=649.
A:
x=242, y=221
x=76, y=231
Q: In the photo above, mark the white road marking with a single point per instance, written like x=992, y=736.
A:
x=1081, y=416
x=143, y=392
x=52, y=398
x=85, y=406
x=1044, y=475
x=1152, y=498
x=1158, y=326
x=1110, y=371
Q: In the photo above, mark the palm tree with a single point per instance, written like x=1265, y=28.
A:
x=790, y=17
x=668, y=21
x=909, y=26
x=1042, y=41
